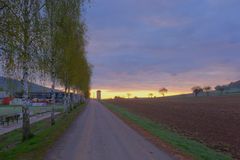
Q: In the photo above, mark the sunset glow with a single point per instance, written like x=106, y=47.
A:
x=106, y=94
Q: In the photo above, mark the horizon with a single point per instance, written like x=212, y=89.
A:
x=106, y=94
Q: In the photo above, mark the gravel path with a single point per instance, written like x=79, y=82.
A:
x=99, y=135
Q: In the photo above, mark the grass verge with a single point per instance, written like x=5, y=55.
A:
x=12, y=148
x=196, y=149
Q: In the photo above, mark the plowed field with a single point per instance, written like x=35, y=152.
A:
x=214, y=121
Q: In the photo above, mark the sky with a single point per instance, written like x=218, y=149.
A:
x=139, y=46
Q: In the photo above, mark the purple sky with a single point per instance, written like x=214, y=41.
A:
x=147, y=44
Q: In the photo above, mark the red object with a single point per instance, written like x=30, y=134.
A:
x=6, y=100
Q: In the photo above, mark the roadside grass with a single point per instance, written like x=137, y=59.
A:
x=196, y=149
x=12, y=147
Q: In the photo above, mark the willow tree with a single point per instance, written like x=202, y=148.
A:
x=21, y=42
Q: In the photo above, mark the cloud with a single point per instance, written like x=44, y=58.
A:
x=142, y=43
x=164, y=22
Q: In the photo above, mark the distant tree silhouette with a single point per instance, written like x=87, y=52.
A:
x=221, y=89
x=150, y=95
x=163, y=91
x=207, y=89
x=117, y=97
x=196, y=90
x=129, y=95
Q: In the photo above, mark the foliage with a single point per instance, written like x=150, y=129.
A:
x=129, y=95
x=20, y=41
x=220, y=89
x=44, y=36
x=150, y=95
x=163, y=91
x=71, y=68
x=196, y=90
x=20, y=32
x=207, y=89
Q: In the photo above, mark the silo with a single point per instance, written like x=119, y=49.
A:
x=98, y=95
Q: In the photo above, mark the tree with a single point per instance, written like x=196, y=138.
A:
x=20, y=43
x=129, y=95
x=163, y=91
x=51, y=58
x=73, y=72
x=221, y=89
x=150, y=95
x=52, y=42
x=196, y=90
x=117, y=97
x=207, y=89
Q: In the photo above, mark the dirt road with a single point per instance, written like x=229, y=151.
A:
x=99, y=135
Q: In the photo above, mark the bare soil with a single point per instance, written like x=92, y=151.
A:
x=214, y=121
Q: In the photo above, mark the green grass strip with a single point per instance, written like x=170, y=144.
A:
x=12, y=147
x=197, y=150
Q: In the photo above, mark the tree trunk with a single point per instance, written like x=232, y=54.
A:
x=69, y=100
x=25, y=109
x=53, y=101
x=52, y=65
x=65, y=100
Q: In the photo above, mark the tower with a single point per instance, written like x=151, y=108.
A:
x=98, y=95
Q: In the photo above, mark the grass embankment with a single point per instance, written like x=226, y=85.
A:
x=197, y=150
x=12, y=147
